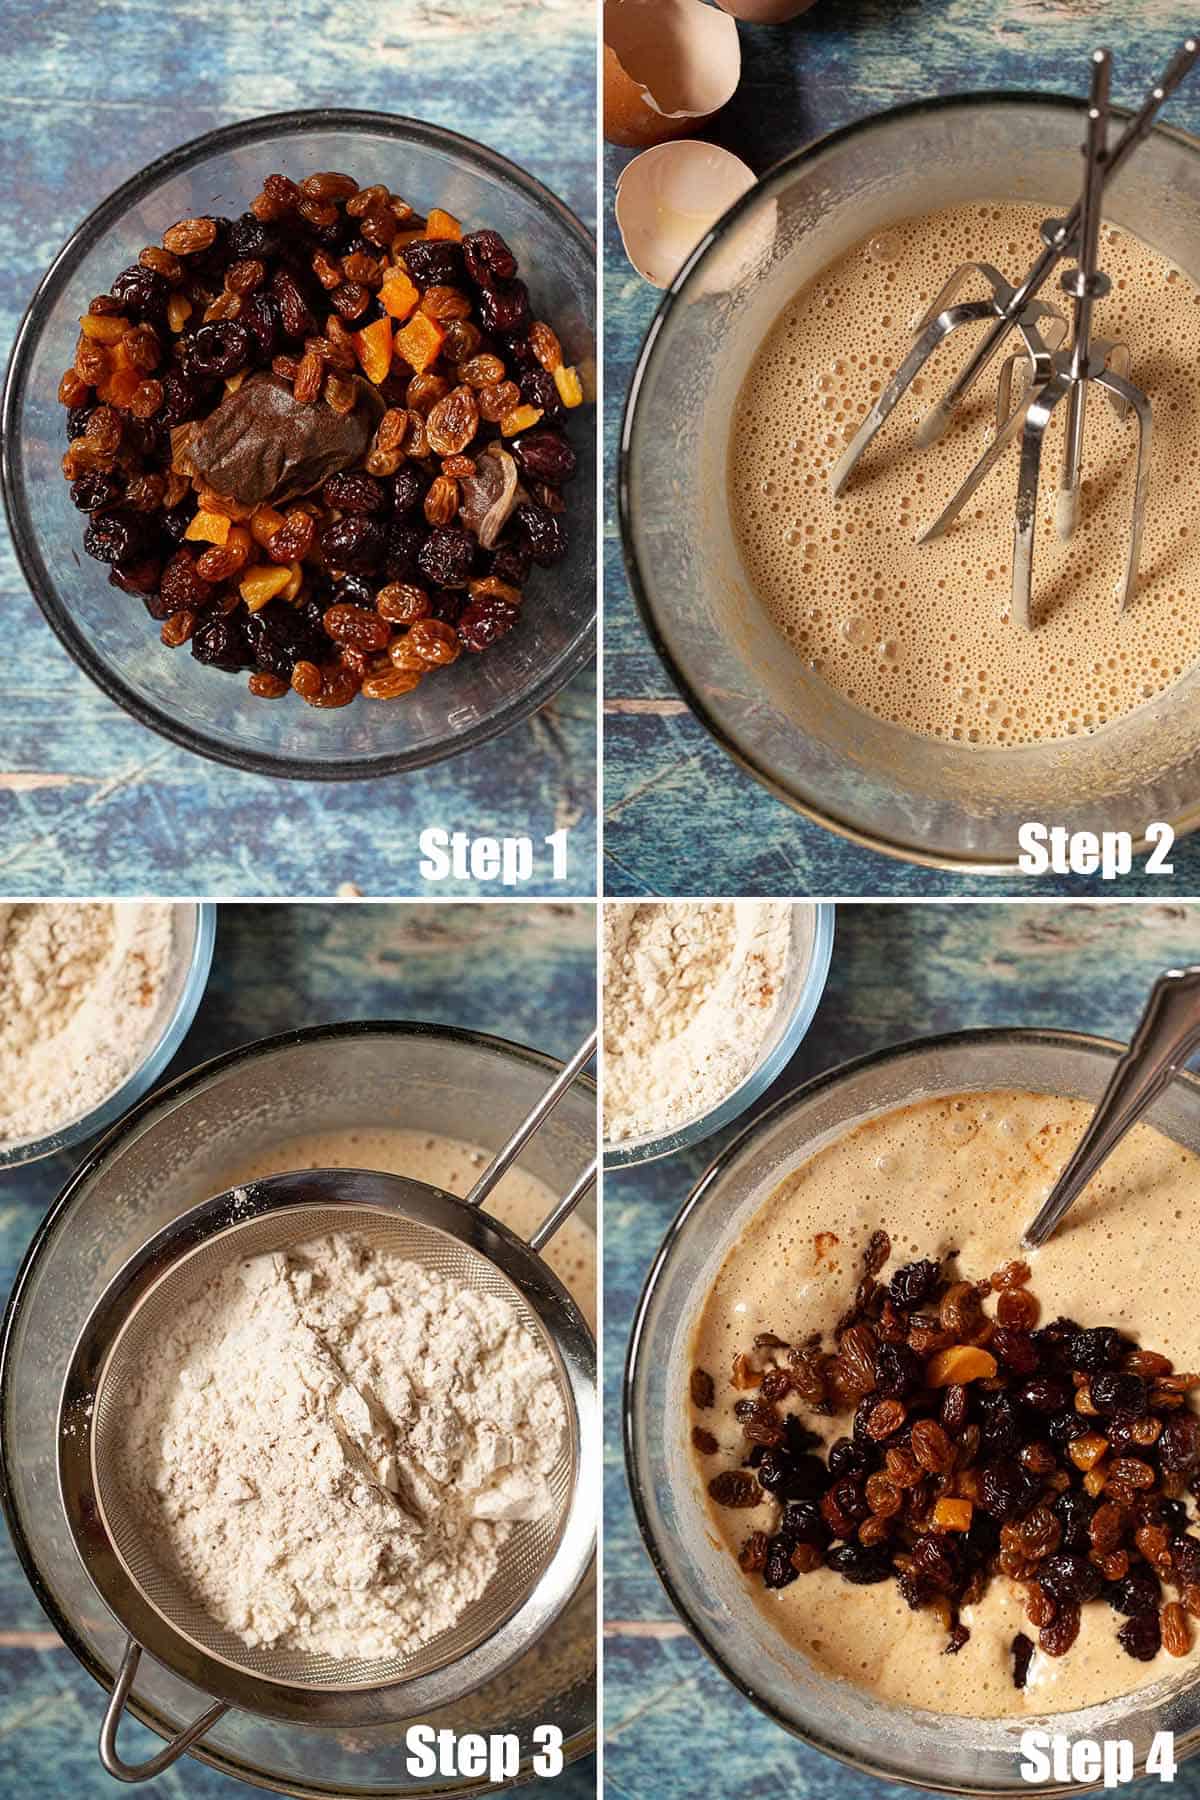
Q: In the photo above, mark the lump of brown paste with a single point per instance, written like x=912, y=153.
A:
x=262, y=444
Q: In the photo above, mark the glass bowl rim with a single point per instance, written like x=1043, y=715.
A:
x=756, y=1082
x=171, y=1091
x=262, y=129
x=1050, y=1037
x=809, y=807
x=158, y=1054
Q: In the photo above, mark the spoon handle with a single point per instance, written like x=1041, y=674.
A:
x=1167, y=1033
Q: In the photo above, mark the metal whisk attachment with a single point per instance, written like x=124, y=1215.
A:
x=1056, y=370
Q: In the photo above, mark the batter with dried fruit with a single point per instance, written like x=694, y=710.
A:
x=962, y=1480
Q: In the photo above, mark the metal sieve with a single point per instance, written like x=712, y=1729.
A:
x=541, y=1562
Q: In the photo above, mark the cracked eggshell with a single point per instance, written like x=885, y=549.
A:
x=669, y=65
x=766, y=12
x=667, y=199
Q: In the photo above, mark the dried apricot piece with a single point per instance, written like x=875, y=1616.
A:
x=420, y=341
x=373, y=346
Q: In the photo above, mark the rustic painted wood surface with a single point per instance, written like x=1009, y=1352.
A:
x=526, y=973
x=681, y=817
x=898, y=972
x=90, y=801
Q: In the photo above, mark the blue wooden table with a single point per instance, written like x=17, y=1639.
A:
x=90, y=801
x=526, y=973
x=680, y=816
x=898, y=972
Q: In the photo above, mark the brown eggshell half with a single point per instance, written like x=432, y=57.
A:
x=669, y=65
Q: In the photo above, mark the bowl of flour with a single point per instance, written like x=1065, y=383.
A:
x=95, y=999
x=705, y=1002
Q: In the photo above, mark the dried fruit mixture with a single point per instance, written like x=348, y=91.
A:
x=983, y=1446
x=323, y=443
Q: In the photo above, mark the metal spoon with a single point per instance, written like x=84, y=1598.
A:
x=1165, y=1036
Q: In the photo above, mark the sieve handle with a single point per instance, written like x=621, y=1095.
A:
x=535, y=1118
x=110, y=1756
x=562, y=1211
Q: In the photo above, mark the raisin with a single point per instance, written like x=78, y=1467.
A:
x=294, y=316
x=1022, y=1651
x=487, y=257
x=435, y=262
x=859, y=1563
x=139, y=578
x=1071, y=1578
x=1004, y=1490
x=447, y=557
x=190, y=236
x=409, y=488
x=886, y=1419
x=354, y=493
x=1017, y=1307
x=484, y=623
x=1175, y=1630
x=883, y=1496
x=94, y=490
x=403, y=548
x=1097, y=1349
x=357, y=543
x=898, y=1370
x=220, y=644
x=504, y=306
x=1179, y=1445
x=1113, y=1392
x=1140, y=1592
x=544, y=455
x=543, y=533
x=752, y=1556
x=116, y=537
x=1046, y=1395
x=1141, y=1637
x=538, y=389
x=141, y=293
x=356, y=626
x=295, y=538
x=703, y=1388
x=219, y=349
x=734, y=1487
x=453, y=422
x=1057, y=1637
x=261, y=319
x=931, y=1447
x=1015, y=1349
x=913, y=1284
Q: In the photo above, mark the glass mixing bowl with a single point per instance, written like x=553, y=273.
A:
x=109, y=634
x=193, y=933
x=165, y=1156
x=812, y=947
x=924, y=1749
x=942, y=804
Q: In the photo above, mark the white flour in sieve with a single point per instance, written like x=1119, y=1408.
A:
x=690, y=992
x=331, y=1443
x=80, y=986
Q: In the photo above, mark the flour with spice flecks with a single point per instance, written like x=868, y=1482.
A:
x=80, y=992
x=331, y=1445
x=691, y=989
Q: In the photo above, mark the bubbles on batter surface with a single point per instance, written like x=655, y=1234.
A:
x=921, y=635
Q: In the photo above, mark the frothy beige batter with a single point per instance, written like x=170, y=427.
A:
x=919, y=635
x=966, y=1173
